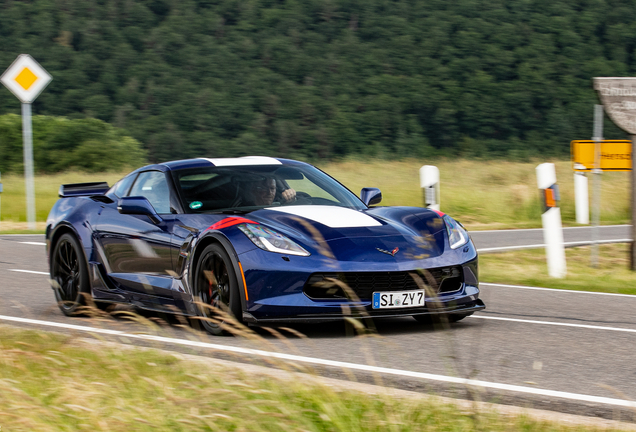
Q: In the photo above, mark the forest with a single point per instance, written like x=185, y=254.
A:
x=325, y=79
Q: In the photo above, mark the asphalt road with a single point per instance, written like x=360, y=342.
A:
x=554, y=349
x=500, y=240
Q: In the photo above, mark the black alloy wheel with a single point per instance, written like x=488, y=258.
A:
x=69, y=275
x=216, y=289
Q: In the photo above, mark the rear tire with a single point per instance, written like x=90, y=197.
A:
x=216, y=288
x=70, y=275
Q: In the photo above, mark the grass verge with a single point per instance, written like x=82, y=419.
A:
x=528, y=267
x=49, y=381
x=480, y=194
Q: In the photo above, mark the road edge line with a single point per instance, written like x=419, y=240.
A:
x=339, y=364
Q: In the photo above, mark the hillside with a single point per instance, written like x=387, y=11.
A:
x=326, y=78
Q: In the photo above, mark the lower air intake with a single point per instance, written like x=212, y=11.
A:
x=364, y=284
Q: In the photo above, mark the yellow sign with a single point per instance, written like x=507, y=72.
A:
x=616, y=155
x=26, y=78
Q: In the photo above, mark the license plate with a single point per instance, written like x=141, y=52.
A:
x=398, y=299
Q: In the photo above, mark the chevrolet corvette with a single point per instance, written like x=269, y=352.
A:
x=262, y=239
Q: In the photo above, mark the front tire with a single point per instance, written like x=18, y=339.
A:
x=216, y=289
x=70, y=275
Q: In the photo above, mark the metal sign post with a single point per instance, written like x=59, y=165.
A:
x=26, y=79
x=618, y=96
x=633, y=203
x=0, y=204
x=27, y=140
x=596, y=173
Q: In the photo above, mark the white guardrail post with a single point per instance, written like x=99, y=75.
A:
x=581, y=199
x=429, y=182
x=551, y=218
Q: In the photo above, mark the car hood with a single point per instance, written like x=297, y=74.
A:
x=390, y=233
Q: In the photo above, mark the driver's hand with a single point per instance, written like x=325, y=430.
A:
x=288, y=194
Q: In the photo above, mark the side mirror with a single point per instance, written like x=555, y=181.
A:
x=371, y=196
x=138, y=206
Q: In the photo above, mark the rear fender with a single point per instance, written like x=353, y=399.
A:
x=75, y=216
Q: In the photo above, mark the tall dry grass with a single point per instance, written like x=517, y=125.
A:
x=483, y=194
x=480, y=194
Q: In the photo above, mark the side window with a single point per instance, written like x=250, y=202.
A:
x=123, y=185
x=153, y=185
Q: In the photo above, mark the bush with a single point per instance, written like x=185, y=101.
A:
x=60, y=144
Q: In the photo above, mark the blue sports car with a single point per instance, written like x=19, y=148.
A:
x=265, y=240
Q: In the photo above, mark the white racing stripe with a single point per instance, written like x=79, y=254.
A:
x=34, y=243
x=566, y=244
x=334, y=363
x=245, y=160
x=29, y=271
x=586, y=326
x=556, y=290
x=331, y=216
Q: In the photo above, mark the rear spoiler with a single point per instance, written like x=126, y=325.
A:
x=83, y=189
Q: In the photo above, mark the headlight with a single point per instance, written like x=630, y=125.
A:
x=272, y=241
x=457, y=235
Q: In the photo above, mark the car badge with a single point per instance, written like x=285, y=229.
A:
x=392, y=253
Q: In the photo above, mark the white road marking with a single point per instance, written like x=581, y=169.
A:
x=34, y=243
x=566, y=244
x=335, y=363
x=30, y=271
x=540, y=229
x=556, y=290
x=587, y=326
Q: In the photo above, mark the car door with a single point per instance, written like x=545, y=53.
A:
x=136, y=248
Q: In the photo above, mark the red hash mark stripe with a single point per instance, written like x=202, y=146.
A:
x=228, y=222
x=439, y=213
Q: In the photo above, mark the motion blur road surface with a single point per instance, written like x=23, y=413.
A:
x=542, y=340
x=489, y=241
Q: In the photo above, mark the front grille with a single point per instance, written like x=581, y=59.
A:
x=364, y=284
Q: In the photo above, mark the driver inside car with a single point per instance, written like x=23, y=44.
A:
x=266, y=191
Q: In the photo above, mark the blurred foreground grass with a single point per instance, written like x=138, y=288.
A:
x=480, y=194
x=51, y=382
x=528, y=267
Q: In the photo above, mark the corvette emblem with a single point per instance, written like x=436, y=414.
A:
x=392, y=253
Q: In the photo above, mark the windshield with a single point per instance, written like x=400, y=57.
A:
x=241, y=189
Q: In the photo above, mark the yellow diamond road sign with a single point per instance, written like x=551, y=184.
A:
x=25, y=78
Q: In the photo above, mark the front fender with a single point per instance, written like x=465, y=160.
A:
x=196, y=248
